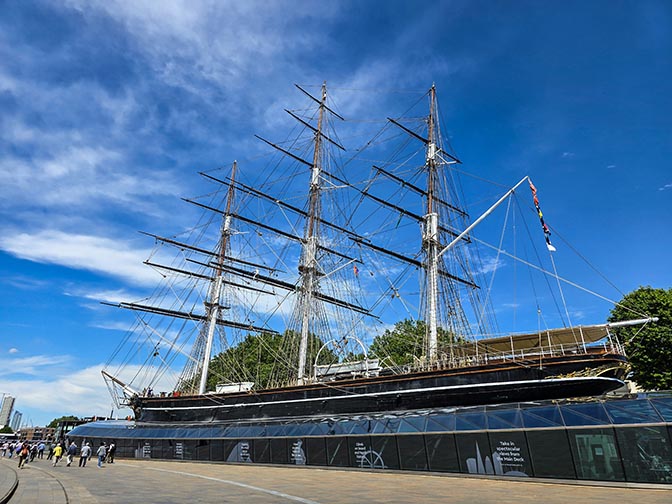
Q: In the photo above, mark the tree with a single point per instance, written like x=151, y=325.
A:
x=70, y=418
x=649, y=347
x=266, y=359
x=6, y=430
x=405, y=341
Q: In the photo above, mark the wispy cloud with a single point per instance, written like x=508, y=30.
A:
x=91, y=253
x=32, y=365
x=568, y=154
x=665, y=187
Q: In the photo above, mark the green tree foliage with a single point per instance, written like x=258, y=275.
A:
x=70, y=418
x=266, y=359
x=405, y=341
x=6, y=430
x=649, y=348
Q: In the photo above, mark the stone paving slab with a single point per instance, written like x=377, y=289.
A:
x=151, y=481
x=8, y=482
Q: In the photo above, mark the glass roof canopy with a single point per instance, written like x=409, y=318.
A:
x=644, y=409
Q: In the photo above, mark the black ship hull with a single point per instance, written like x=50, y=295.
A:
x=495, y=383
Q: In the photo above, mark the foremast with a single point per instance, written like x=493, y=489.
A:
x=213, y=306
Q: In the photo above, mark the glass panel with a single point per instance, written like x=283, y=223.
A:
x=334, y=428
x=188, y=449
x=412, y=453
x=630, y=412
x=547, y=416
x=217, y=450
x=383, y=453
x=385, y=425
x=550, y=454
x=664, y=407
x=584, y=414
x=474, y=453
x=505, y=419
x=319, y=429
x=240, y=451
x=646, y=453
x=359, y=448
x=262, y=451
x=510, y=456
x=595, y=453
x=279, y=451
x=442, y=452
x=337, y=452
x=413, y=424
x=471, y=421
x=358, y=427
x=316, y=451
x=295, y=430
x=441, y=423
x=202, y=450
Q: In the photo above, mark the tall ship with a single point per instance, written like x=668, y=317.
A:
x=342, y=279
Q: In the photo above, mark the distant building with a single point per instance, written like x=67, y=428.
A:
x=16, y=421
x=6, y=410
x=32, y=434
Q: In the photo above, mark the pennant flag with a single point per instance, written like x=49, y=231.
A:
x=547, y=231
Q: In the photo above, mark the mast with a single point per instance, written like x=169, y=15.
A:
x=430, y=238
x=308, y=265
x=213, y=306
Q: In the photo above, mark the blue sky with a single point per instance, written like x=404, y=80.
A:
x=110, y=108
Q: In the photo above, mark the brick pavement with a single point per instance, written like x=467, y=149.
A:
x=151, y=481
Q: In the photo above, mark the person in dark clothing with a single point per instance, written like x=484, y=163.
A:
x=23, y=455
x=72, y=451
x=110, y=452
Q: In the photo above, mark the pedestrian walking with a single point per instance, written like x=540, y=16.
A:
x=40, y=449
x=84, y=454
x=102, y=451
x=33, y=452
x=23, y=455
x=11, y=449
x=72, y=451
x=110, y=452
x=50, y=455
x=58, y=453
x=5, y=447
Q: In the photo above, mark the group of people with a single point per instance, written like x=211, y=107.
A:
x=27, y=452
x=24, y=451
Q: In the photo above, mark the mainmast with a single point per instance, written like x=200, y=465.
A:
x=430, y=235
x=308, y=266
x=213, y=307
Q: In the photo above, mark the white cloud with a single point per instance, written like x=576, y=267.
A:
x=111, y=295
x=665, y=187
x=13, y=350
x=33, y=365
x=82, y=393
x=92, y=253
x=64, y=390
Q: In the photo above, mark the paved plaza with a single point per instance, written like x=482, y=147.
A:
x=151, y=481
